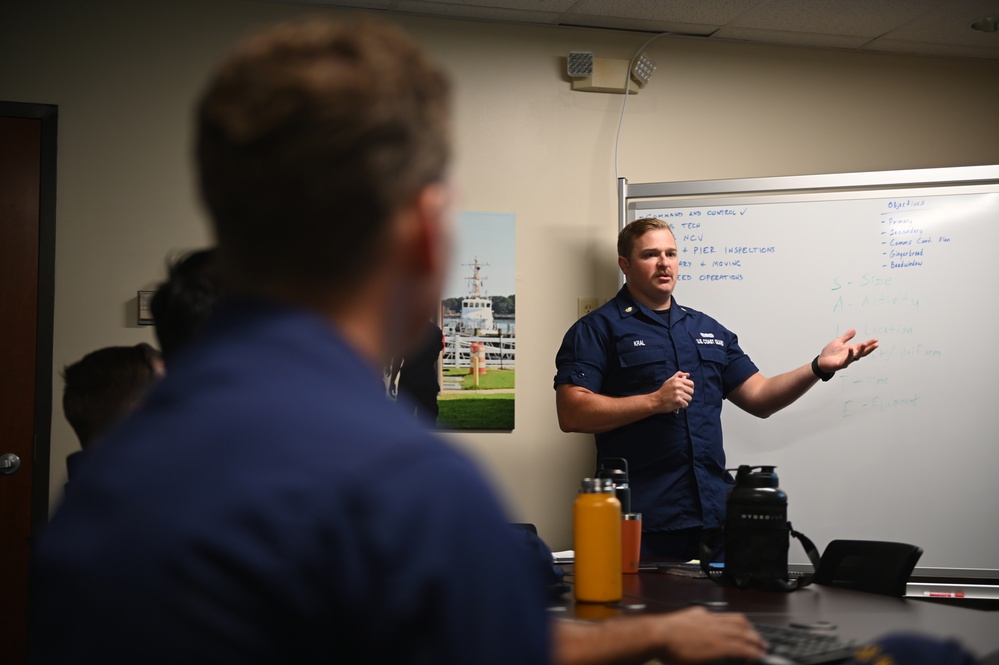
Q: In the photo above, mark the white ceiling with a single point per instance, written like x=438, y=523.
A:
x=928, y=27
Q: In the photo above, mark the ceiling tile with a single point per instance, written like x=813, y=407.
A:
x=951, y=24
x=932, y=27
x=790, y=38
x=716, y=12
x=641, y=25
x=476, y=11
x=543, y=6
x=835, y=17
x=352, y=4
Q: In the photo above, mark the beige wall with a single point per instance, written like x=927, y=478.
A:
x=124, y=74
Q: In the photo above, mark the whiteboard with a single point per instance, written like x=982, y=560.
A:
x=901, y=445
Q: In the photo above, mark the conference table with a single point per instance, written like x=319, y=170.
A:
x=853, y=614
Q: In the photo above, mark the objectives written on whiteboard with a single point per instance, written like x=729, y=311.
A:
x=905, y=236
x=907, y=244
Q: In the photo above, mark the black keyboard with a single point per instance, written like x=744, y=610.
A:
x=804, y=646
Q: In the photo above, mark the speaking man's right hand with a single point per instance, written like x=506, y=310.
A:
x=676, y=393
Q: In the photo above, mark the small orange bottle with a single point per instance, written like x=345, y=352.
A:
x=597, y=542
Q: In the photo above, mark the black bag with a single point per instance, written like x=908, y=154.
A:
x=756, y=536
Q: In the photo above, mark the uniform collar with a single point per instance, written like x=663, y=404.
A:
x=627, y=306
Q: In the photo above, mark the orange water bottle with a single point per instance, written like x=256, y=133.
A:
x=597, y=542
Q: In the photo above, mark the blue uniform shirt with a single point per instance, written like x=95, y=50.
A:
x=676, y=461
x=268, y=504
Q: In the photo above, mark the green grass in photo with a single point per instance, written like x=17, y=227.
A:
x=493, y=379
x=481, y=412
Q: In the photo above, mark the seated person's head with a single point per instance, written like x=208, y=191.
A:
x=105, y=386
x=182, y=303
x=312, y=138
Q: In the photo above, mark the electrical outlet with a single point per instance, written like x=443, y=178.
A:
x=586, y=305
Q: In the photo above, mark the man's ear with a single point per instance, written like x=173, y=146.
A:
x=415, y=262
x=428, y=229
x=623, y=264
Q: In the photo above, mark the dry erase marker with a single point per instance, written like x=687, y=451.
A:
x=944, y=594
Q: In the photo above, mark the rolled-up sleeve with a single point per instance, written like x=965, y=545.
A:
x=738, y=367
x=582, y=358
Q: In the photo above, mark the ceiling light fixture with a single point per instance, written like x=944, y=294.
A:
x=642, y=70
x=579, y=64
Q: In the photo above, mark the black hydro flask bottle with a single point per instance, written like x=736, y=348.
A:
x=756, y=529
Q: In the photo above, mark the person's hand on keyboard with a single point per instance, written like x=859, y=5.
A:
x=688, y=636
x=697, y=635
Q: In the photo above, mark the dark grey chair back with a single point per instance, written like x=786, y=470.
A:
x=868, y=565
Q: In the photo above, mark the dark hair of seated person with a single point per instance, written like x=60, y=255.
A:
x=183, y=302
x=105, y=386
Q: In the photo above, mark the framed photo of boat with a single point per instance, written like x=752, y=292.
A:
x=478, y=364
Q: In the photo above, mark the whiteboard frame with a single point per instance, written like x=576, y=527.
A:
x=634, y=197
x=654, y=193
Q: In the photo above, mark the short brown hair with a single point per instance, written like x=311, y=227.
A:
x=310, y=136
x=105, y=386
x=636, y=229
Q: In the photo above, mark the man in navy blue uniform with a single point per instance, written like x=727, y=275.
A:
x=268, y=504
x=647, y=376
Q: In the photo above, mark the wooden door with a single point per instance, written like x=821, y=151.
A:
x=27, y=224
